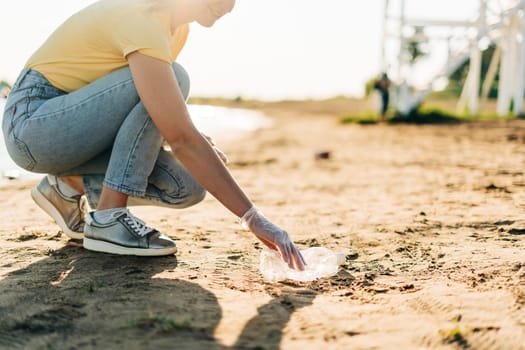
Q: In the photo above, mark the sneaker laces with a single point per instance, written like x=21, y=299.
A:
x=80, y=220
x=82, y=206
x=136, y=224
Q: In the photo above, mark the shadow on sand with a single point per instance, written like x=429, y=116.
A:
x=75, y=299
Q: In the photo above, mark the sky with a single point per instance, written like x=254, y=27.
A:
x=265, y=49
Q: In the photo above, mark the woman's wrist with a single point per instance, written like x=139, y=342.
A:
x=245, y=219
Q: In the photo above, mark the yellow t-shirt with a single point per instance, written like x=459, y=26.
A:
x=95, y=42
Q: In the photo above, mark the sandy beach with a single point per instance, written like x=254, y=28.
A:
x=431, y=219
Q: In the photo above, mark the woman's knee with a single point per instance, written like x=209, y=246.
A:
x=194, y=194
x=182, y=78
x=187, y=195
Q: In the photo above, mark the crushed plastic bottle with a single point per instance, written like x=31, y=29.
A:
x=321, y=262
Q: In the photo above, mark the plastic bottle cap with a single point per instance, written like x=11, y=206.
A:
x=341, y=258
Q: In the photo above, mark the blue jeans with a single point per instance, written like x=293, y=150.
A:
x=101, y=132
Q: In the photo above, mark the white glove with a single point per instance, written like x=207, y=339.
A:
x=273, y=237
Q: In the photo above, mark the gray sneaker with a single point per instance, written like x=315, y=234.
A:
x=68, y=212
x=126, y=235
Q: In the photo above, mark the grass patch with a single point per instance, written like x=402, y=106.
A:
x=419, y=116
x=92, y=286
x=159, y=323
x=456, y=336
x=430, y=116
x=432, y=111
x=367, y=119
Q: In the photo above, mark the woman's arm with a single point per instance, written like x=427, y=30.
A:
x=158, y=89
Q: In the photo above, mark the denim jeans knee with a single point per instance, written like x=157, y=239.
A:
x=193, y=194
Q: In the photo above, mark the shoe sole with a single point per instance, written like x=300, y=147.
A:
x=50, y=209
x=106, y=247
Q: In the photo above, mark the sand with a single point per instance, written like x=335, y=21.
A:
x=430, y=218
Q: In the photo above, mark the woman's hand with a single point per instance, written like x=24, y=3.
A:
x=220, y=153
x=273, y=237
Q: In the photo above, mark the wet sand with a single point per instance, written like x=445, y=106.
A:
x=430, y=217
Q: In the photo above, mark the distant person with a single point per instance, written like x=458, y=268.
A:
x=92, y=109
x=382, y=85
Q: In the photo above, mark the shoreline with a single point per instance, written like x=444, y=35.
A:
x=344, y=106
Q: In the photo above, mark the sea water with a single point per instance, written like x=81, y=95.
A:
x=222, y=122
x=216, y=122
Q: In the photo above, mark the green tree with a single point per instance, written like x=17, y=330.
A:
x=4, y=84
x=370, y=86
x=458, y=78
x=416, y=45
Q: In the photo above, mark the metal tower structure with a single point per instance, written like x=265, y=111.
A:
x=498, y=22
